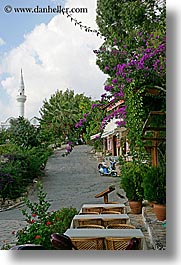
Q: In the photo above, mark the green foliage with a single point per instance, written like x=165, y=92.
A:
x=125, y=18
x=134, y=56
x=9, y=149
x=36, y=159
x=23, y=134
x=3, y=136
x=132, y=174
x=41, y=223
x=98, y=145
x=18, y=168
x=59, y=115
x=134, y=117
x=154, y=184
x=92, y=126
x=11, y=180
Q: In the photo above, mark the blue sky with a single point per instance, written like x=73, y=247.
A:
x=14, y=26
x=53, y=53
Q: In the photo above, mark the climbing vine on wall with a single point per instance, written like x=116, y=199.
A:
x=134, y=116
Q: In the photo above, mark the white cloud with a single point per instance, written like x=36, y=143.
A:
x=55, y=56
x=2, y=42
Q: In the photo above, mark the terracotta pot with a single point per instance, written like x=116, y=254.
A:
x=136, y=207
x=160, y=211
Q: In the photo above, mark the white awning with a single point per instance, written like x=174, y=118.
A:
x=97, y=135
x=105, y=134
x=110, y=127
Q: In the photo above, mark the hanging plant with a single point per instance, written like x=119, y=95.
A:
x=134, y=116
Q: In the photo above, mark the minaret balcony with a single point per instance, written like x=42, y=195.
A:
x=21, y=98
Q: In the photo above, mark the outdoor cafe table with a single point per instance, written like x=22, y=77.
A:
x=119, y=233
x=104, y=206
x=118, y=218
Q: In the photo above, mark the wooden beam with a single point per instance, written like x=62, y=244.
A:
x=152, y=113
x=154, y=150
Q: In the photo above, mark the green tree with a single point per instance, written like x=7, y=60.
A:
x=23, y=134
x=60, y=113
x=90, y=123
x=125, y=18
x=134, y=56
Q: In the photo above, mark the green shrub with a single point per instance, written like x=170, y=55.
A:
x=37, y=158
x=18, y=168
x=154, y=184
x=132, y=174
x=12, y=184
x=9, y=149
x=23, y=133
x=41, y=223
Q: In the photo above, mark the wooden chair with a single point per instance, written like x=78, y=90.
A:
x=88, y=213
x=89, y=222
x=113, y=243
x=93, y=209
x=110, y=212
x=89, y=243
x=116, y=243
x=116, y=209
x=120, y=226
x=92, y=226
x=106, y=222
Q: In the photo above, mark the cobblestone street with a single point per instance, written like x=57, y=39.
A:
x=68, y=181
x=72, y=181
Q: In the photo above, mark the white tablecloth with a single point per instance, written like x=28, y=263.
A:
x=120, y=233
x=91, y=232
x=103, y=206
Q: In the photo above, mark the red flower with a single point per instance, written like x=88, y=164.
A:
x=13, y=232
x=37, y=237
x=48, y=223
x=34, y=214
x=32, y=221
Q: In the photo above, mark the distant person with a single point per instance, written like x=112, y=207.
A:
x=81, y=140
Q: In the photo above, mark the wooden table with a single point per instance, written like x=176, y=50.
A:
x=118, y=233
x=104, y=206
x=101, y=219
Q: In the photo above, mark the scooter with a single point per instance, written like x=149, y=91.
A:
x=104, y=170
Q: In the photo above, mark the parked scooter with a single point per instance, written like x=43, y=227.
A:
x=104, y=170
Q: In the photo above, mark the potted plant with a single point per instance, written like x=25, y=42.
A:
x=154, y=184
x=131, y=182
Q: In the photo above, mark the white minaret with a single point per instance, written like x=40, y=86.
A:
x=21, y=98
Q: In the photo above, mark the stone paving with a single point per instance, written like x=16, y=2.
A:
x=68, y=181
x=72, y=181
x=153, y=230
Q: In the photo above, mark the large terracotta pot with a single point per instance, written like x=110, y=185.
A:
x=136, y=207
x=160, y=211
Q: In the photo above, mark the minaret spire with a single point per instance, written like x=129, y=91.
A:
x=22, y=86
x=21, y=98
